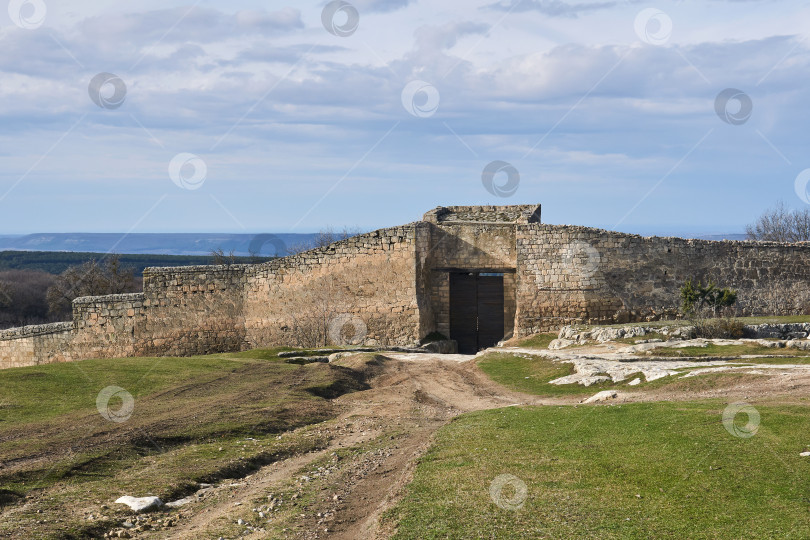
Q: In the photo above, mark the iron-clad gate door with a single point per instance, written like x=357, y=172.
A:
x=476, y=311
x=464, y=312
x=490, y=311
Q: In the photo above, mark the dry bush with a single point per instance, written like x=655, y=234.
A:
x=89, y=279
x=313, y=302
x=781, y=224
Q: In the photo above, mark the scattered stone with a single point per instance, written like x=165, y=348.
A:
x=805, y=454
x=183, y=501
x=604, y=395
x=634, y=382
x=140, y=504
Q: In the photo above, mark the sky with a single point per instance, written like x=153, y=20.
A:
x=666, y=117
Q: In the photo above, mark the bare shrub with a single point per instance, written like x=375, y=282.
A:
x=89, y=279
x=220, y=258
x=315, y=306
x=781, y=224
x=782, y=299
x=323, y=238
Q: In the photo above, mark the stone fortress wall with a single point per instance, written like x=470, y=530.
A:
x=570, y=275
x=391, y=287
x=368, y=281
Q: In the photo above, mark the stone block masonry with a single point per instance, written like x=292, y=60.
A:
x=569, y=275
x=391, y=287
x=32, y=345
x=367, y=282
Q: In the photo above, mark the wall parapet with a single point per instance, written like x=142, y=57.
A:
x=35, y=330
x=108, y=299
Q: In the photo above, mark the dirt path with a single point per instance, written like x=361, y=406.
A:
x=411, y=397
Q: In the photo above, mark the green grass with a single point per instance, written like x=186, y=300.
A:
x=532, y=375
x=42, y=392
x=787, y=360
x=653, y=470
x=537, y=341
x=194, y=419
x=726, y=351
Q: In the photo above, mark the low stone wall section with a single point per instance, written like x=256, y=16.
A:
x=33, y=345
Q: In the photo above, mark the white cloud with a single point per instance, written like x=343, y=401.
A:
x=268, y=94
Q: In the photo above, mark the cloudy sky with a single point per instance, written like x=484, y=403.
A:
x=247, y=116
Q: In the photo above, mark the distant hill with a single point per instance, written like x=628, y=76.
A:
x=200, y=244
x=56, y=262
x=722, y=237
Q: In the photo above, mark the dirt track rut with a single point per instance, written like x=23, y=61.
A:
x=411, y=397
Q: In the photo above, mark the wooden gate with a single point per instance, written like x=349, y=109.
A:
x=476, y=310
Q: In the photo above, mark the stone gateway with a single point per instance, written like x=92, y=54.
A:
x=477, y=274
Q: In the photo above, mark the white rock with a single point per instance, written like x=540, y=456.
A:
x=139, y=504
x=634, y=382
x=604, y=395
x=181, y=502
x=805, y=454
x=558, y=344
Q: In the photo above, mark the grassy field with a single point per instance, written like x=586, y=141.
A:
x=532, y=375
x=656, y=470
x=726, y=351
x=198, y=419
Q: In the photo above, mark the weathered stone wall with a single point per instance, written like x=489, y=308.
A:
x=391, y=287
x=106, y=325
x=192, y=310
x=576, y=274
x=32, y=345
x=359, y=290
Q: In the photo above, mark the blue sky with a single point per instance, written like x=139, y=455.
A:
x=607, y=109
